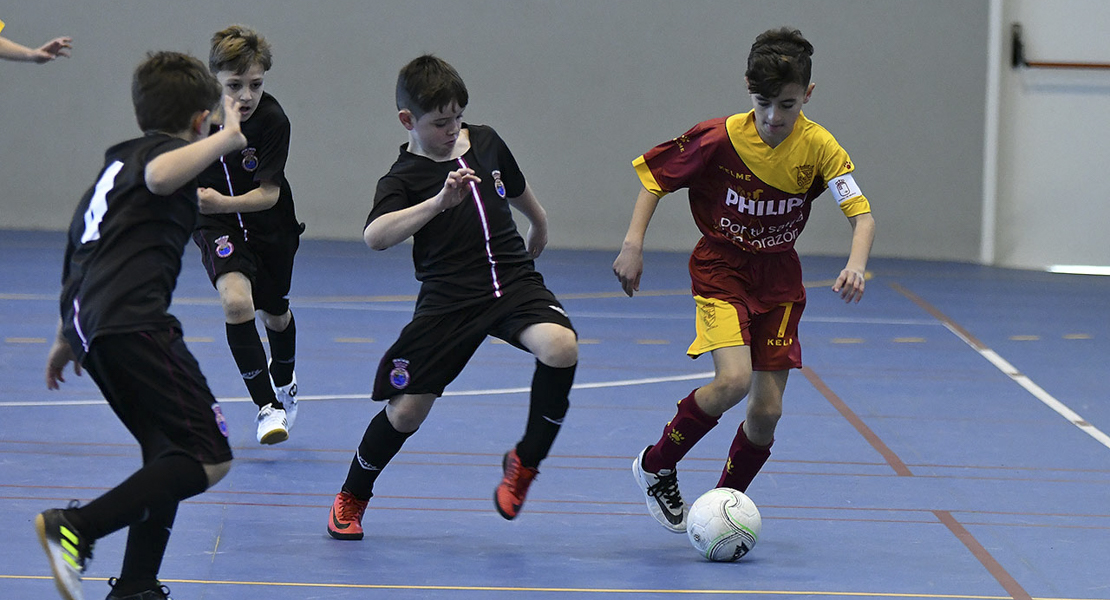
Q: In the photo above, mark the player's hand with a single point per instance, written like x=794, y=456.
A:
x=536, y=240
x=457, y=188
x=53, y=49
x=210, y=202
x=850, y=285
x=628, y=267
x=60, y=355
x=230, y=120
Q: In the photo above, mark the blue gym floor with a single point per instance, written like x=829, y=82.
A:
x=945, y=440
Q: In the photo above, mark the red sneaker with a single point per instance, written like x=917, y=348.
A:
x=345, y=520
x=510, y=493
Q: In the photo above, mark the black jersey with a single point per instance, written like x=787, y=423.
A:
x=125, y=246
x=263, y=159
x=471, y=252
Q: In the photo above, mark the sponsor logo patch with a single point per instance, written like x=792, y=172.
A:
x=399, y=377
x=498, y=185
x=221, y=422
x=224, y=247
x=250, y=161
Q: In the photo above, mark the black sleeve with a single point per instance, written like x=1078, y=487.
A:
x=389, y=196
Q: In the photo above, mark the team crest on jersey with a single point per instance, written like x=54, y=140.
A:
x=498, y=185
x=221, y=422
x=224, y=247
x=399, y=377
x=250, y=161
x=805, y=176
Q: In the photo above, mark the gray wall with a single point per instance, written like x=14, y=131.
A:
x=577, y=87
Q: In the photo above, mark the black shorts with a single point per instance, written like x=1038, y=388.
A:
x=432, y=350
x=266, y=261
x=155, y=387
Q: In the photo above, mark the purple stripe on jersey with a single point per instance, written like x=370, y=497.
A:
x=485, y=230
x=77, y=324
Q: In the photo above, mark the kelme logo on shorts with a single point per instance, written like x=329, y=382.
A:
x=224, y=247
x=399, y=377
x=250, y=161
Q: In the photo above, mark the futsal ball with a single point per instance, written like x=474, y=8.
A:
x=723, y=524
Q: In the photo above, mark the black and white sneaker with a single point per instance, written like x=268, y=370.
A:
x=69, y=551
x=159, y=592
x=664, y=501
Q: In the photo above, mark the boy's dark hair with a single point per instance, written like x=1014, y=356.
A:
x=778, y=57
x=237, y=48
x=429, y=83
x=168, y=88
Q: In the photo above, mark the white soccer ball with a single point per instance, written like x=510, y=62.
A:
x=723, y=524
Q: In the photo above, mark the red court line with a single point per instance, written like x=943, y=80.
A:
x=872, y=438
x=996, y=570
x=984, y=557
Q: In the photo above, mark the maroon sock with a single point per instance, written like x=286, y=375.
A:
x=745, y=459
x=689, y=425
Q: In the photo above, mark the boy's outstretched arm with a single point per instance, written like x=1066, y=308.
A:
x=526, y=203
x=395, y=227
x=851, y=280
x=47, y=52
x=630, y=262
x=260, y=198
x=171, y=170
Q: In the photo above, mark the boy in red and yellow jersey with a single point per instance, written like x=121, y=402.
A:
x=752, y=178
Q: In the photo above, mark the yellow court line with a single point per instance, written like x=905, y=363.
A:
x=491, y=588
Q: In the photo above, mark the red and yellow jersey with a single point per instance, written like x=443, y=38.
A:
x=745, y=194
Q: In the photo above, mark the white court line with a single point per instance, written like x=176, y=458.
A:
x=1038, y=392
x=489, y=392
x=1008, y=369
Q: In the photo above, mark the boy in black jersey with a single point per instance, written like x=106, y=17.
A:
x=450, y=190
x=248, y=232
x=122, y=260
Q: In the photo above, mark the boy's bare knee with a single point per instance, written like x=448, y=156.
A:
x=216, y=472
x=561, y=351
x=407, y=413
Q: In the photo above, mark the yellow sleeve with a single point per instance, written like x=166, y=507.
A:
x=646, y=178
x=1, y=25
x=856, y=206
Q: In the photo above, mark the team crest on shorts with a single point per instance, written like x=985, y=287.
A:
x=224, y=247
x=250, y=161
x=221, y=422
x=498, y=185
x=399, y=377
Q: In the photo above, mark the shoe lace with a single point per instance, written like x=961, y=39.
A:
x=667, y=489
x=518, y=477
x=85, y=548
x=351, y=508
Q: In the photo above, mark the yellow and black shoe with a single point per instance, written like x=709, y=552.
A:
x=69, y=551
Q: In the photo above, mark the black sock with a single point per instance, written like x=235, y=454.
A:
x=549, y=403
x=283, y=352
x=160, y=483
x=380, y=444
x=146, y=545
x=246, y=348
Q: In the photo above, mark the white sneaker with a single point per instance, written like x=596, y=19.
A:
x=272, y=425
x=287, y=395
x=660, y=489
